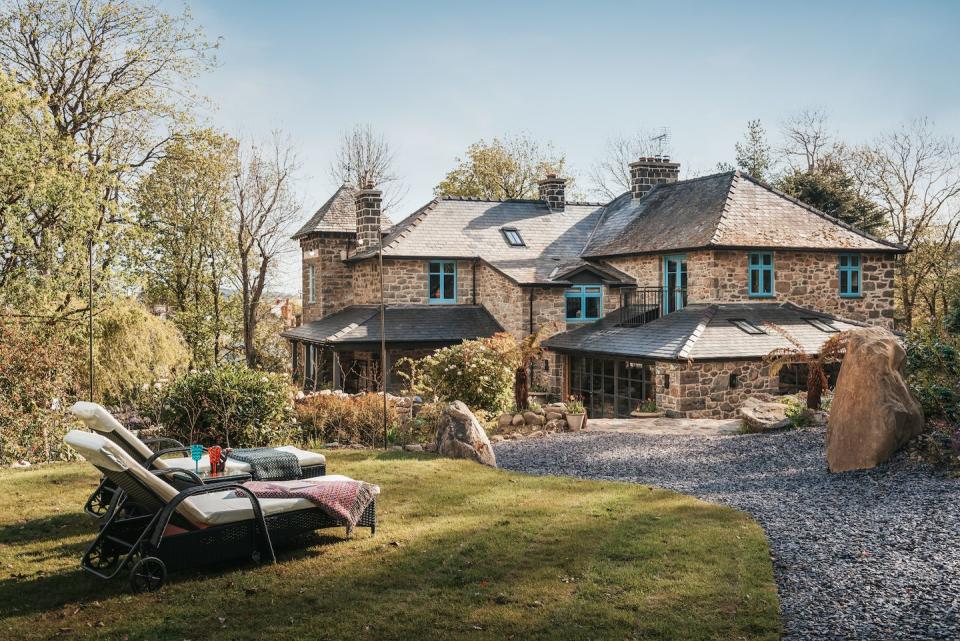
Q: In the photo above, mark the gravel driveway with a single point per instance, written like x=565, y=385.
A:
x=859, y=555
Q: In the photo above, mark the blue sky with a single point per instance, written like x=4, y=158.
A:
x=435, y=76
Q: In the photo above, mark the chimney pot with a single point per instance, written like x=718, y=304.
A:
x=553, y=192
x=368, y=203
x=647, y=172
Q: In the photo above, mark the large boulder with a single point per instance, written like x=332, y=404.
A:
x=872, y=414
x=761, y=415
x=460, y=435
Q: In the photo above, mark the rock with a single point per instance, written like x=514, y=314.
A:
x=460, y=435
x=556, y=425
x=413, y=447
x=496, y=438
x=517, y=420
x=430, y=447
x=536, y=434
x=760, y=415
x=532, y=418
x=553, y=416
x=872, y=414
x=20, y=464
x=331, y=446
x=396, y=448
x=505, y=420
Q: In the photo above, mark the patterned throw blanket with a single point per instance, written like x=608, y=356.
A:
x=268, y=464
x=343, y=501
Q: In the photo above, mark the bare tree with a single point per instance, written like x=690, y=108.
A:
x=806, y=139
x=364, y=157
x=914, y=175
x=610, y=176
x=264, y=204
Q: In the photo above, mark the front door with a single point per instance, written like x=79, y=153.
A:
x=674, y=283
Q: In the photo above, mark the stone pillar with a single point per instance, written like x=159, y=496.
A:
x=553, y=192
x=647, y=172
x=368, y=217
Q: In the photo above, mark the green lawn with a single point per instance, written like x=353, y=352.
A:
x=461, y=552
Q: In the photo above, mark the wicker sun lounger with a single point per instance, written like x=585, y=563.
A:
x=98, y=419
x=172, y=529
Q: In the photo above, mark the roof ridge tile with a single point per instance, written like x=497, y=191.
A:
x=721, y=226
x=701, y=327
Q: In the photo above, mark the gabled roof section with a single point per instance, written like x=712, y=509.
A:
x=470, y=228
x=730, y=209
x=338, y=214
x=704, y=331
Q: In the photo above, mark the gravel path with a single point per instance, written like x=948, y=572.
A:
x=859, y=555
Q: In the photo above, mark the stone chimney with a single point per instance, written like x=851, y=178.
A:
x=553, y=192
x=647, y=172
x=368, y=218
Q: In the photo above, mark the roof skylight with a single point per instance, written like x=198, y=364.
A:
x=823, y=325
x=513, y=237
x=746, y=326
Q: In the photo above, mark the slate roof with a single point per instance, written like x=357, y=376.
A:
x=338, y=214
x=404, y=324
x=467, y=228
x=702, y=332
x=730, y=209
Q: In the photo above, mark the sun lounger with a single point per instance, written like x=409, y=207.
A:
x=172, y=529
x=98, y=419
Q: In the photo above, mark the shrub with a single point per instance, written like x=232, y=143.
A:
x=228, y=405
x=134, y=349
x=346, y=419
x=933, y=373
x=38, y=380
x=473, y=372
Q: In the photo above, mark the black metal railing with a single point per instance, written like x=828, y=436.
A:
x=641, y=305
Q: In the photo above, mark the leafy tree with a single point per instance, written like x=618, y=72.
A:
x=114, y=77
x=913, y=174
x=264, y=203
x=832, y=190
x=502, y=169
x=753, y=153
x=183, y=205
x=133, y=349
x=47, y=208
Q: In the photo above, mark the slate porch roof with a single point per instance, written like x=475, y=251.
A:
x=471, y=228
x=729, y=209
x=338, y=214
x=429, y=324
x=702, y=332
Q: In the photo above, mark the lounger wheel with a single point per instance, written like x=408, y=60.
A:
x=101, y=559
x=148, y=574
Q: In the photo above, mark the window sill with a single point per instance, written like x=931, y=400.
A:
x=436, y=301
x=580, y=320
x=851, y=296
x=762, y=295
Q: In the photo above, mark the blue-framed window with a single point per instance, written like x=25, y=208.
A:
x=583, y=303
x=760, y=275
x=849, y=272
x=442, y=281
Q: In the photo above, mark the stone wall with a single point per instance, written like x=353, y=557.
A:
x=808, y=279
x=708, y=389
x=404, y=282
x=504, y=299
x=334, y=289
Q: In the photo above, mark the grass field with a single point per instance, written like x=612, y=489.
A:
x=462, y=552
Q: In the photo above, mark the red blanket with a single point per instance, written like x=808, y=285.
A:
x=343, y=501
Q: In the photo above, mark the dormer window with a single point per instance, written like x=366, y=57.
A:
x=513, y=237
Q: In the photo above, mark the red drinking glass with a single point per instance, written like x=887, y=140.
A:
x=214, y=454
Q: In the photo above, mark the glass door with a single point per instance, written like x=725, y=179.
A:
x=674, y=283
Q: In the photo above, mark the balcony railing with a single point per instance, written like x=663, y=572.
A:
x=641, y=305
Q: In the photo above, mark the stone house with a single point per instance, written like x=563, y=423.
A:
x=670, y=294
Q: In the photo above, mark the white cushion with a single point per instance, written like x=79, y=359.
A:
x=234, y=466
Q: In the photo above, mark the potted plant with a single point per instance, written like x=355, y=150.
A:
x=575, y=414
x=646, y=409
